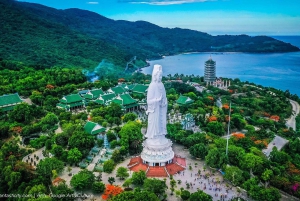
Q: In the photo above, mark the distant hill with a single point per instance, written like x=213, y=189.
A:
x=26, y=37
x=75, y=37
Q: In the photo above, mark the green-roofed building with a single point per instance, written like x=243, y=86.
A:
x=127, y=102
x=140, y=88
x=124, y=86
x=117, y=90
x=105, y=99
x=93, y=94
x=130, y=87
x=93, y=128
x=70, y=102
x=184, y=101
x=8, y=102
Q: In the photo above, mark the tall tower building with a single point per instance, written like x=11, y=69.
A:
x=210, y=71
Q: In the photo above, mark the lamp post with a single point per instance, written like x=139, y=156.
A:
x=228, y=129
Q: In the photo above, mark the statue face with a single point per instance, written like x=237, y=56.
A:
x=159, y=74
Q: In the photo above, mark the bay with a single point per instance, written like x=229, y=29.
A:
x=278, y=70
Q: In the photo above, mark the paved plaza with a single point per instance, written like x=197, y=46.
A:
x=188, y=176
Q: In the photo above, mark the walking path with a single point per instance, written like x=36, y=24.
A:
x=291, y=122
x=278, y=142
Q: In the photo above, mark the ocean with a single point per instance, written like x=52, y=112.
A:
x=278, y=70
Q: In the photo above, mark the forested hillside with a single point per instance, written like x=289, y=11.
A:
x=46, y=37
x=149, y=40
x=42, y=43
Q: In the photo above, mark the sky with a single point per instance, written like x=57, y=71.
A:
x=216, y=17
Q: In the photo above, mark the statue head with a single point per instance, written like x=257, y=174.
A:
x=157, y=73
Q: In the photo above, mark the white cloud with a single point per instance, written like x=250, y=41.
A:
x=92, y=2
x=163, y=2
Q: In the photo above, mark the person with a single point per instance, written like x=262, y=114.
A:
x=157, y=105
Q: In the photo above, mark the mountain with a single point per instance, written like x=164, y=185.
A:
x=26, y=37
x=75, y=37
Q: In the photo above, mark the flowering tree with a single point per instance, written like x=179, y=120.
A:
x=111, y=191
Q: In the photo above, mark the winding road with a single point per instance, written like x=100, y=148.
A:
x=291, y=122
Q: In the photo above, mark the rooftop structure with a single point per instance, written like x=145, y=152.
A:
x=117, y=90
x=184, y=101
x=72, y=101
x=8, y=102
x=93, y=94
x=93, y=128
x=210, y=71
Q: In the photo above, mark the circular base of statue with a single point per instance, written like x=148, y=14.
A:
x=157, y=151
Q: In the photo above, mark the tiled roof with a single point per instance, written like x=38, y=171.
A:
x=93, y=128
x=10, y=99
x=184, y=100
x=103, y=99
x=118, y=90
x=124, y=86
x=130, y=86
x=140, y=88
x=88, y=96
x=72, y=98
x=96, y=93
x=127, y=99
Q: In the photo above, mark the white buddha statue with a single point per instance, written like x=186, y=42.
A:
x=157, y=105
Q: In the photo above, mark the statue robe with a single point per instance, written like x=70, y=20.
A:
x=157, y=110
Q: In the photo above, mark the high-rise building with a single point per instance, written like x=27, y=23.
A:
x=210, y=71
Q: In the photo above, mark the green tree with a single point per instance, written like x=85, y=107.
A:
x=14, y=179
x=270, y=194
x=82, y=141
x=116, y=156
x=238, y=121
x=61, y=193
x=216, y=128
x=235, y=175
x=61, y=139
x=198, y=151
x=108, y=166
x=173, y=185
x=132, y=137
x=98, y=187
x=74, y=156
x=45, y=167
x=235, y=154
x=266, y=176
x=200, y=195
x=49, y=120
x=251, y=161
x=129, y=117
x=279, y=157
x=139, y=177
x=127, y=183
x=83, y=180
x=37, y=189
x=216, y=158
x=111, y=180
x=156, y=186
x=185, y=195
x=22, y=113
x=57, y=150
x=122, y=173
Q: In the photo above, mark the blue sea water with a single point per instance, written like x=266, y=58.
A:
x=278, y=70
